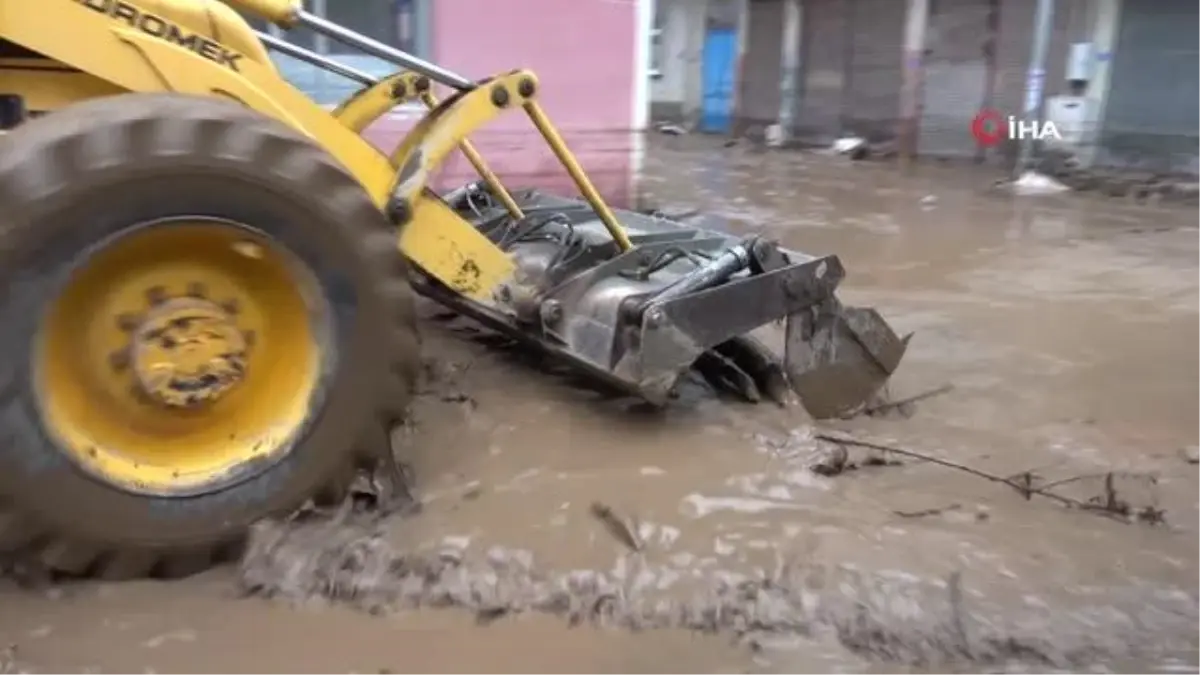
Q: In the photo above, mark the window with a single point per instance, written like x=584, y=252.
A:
x=396, y=23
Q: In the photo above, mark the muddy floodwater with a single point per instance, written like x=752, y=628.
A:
x=1065, y=327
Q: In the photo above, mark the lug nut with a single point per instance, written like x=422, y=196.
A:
x=138, y=394
x=551, y=311
x=156, y=295
x=127, y=322
x=119, y=360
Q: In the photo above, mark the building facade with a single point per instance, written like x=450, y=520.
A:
x=598, y=96
x=696, y=45
x=1120, y=77
x=1150, y=108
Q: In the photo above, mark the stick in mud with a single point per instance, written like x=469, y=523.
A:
x=1111, y=507
x=928, y=512
x=900, y=404
x=620, y=528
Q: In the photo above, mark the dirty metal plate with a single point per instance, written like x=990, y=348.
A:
x=838, y=358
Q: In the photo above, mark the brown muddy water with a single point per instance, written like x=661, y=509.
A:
x=1067, y=327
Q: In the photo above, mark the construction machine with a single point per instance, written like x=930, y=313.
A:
x=206, y=307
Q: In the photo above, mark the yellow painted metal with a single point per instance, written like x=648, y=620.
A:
x=373, y=102
x=215, y=19
x=370, y=103
x=188, y=352
x=46, y=87
x=478, y=268
x=448, y=124
x=485, y=172
x=113, y=50
x=559, y=147
x=115, y=330
x=280, y=12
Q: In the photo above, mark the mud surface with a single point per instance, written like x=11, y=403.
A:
x=1066, y=326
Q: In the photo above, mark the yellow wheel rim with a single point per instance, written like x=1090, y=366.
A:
x=181, y=357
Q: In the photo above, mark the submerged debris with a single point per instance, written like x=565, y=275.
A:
x=883, y=617
x=8, y=661
x=834, y=460
x=928, y=512
x=25, y=570
x=1190, y=454
x=1033, y=183
x=854, y=147
x=622, y=529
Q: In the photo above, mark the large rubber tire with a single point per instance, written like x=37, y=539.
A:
x=75, y=177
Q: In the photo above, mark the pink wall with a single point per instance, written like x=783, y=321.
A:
x=583, y=53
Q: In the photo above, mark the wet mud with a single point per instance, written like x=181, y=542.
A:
x=896, y=619
x=1058, y=336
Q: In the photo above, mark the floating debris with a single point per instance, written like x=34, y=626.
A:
x=622, y=529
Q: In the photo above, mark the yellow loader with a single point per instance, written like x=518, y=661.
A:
x=206, y=308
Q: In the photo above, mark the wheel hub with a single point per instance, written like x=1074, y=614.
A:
x=188, y=352
x=174, y=363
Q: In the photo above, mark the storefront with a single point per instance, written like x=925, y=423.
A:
x=1151, y=118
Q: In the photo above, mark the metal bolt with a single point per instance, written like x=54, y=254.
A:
x=139, y=394
x=197, y=290
x=156, y=295
x=399, y=211
x=231, y=306
x=654, y=318
x=551, y=311
x=499, y=96
x=127, y=322
x=119, y=360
